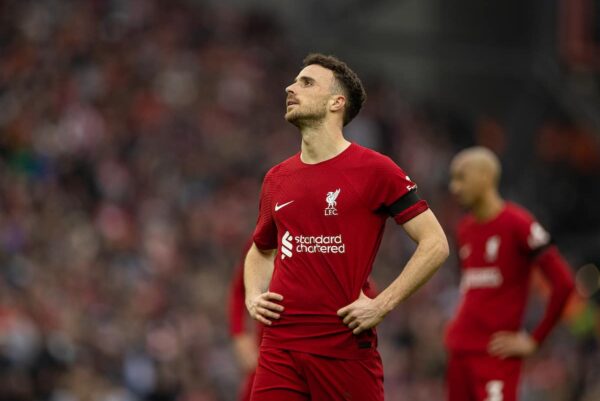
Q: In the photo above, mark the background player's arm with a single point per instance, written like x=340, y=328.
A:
x=258, y=269
x=432, y=251
x=246, y=351
x=521, y=344
x=244, y=340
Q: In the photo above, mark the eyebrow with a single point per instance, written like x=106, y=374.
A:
x=305, y=79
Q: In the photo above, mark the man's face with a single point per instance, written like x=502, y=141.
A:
x=467, y=182
x=308, y=97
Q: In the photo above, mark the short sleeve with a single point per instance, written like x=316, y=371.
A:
x=265, y=233
x=393, y=191
x=530, y=234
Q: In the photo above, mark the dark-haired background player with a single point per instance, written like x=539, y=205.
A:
x=322, y=215
x=498, y=244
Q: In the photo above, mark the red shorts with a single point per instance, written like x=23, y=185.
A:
x=298, y=376
x=482, y=377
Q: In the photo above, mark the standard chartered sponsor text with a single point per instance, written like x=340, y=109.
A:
x=311, y=244
x=320, y=244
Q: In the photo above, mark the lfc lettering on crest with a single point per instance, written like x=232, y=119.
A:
x=331, y=197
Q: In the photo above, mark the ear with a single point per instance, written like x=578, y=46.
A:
x=337, y=103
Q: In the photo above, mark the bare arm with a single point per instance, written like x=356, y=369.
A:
x=507, y=344
x=432, y=251
x=246, y=351
x=258, y=269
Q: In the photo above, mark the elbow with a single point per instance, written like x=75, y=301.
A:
x=440, y=250
x=444, y=249
x=561, y=291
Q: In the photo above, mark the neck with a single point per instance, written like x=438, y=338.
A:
x=488, y=207
x=321, y=142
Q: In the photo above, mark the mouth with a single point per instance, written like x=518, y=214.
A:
x=291, y=102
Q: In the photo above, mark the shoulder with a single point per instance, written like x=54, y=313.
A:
x=282, y=169
x=527, y=228
x=517, y=214
x=375, y=161
x=371, y=156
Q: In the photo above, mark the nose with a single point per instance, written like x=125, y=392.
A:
x=290, y=89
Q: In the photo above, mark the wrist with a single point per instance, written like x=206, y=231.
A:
x=250, y=299
x=252, y=292
x=383, y=304
x=533, y=343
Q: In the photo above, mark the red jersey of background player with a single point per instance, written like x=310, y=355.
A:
x=496, y=259
x=327, y=220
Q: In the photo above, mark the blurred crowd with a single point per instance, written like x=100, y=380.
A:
x=133, y=138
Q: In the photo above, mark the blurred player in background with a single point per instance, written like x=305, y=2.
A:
x=321, y=219
x=498, y=244
x=246, y=339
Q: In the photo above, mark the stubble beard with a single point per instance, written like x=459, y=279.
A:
x=307, y=118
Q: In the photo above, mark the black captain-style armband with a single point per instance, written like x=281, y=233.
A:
x=535, y=253
x=409, y=199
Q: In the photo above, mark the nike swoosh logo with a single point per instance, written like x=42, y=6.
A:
x=277, y=207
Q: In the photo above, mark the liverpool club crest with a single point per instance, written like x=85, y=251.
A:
x=331, y=210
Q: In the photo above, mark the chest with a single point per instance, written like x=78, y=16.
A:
x=325, y=198
x=488, y=247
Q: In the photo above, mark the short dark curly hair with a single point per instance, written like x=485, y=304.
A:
x=347, y=79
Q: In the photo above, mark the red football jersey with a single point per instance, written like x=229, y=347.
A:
x=496, y=261
x=326, y=221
